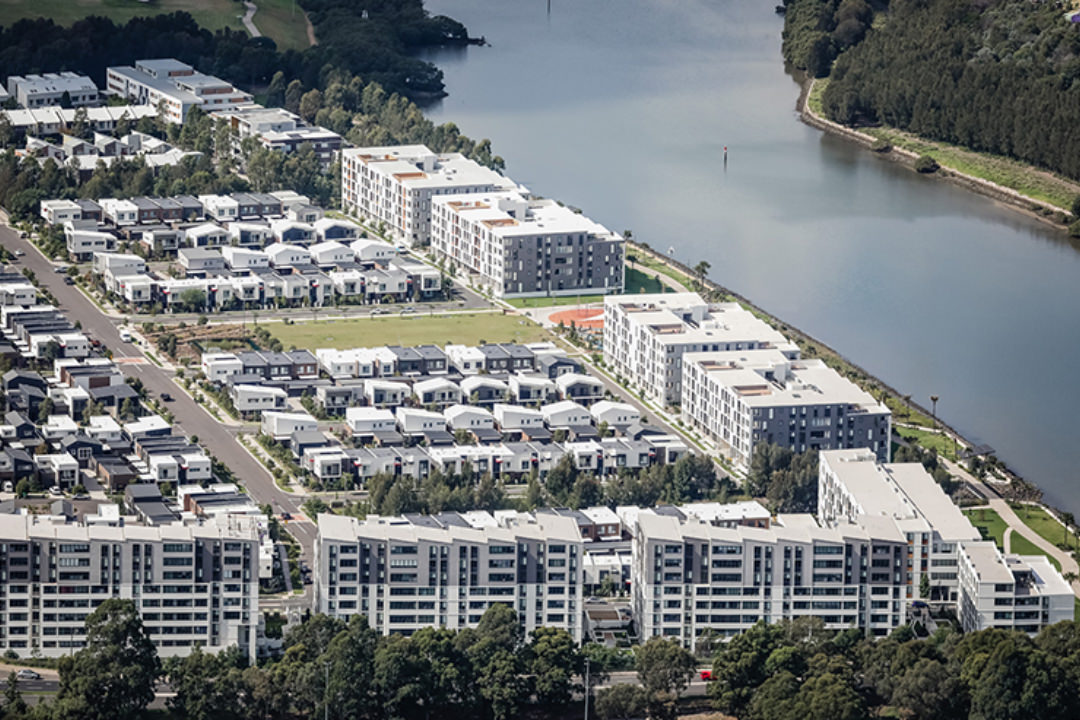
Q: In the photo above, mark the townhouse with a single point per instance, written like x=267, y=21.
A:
x=37, y=91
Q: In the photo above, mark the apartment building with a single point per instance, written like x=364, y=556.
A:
x=740, y=399
x=395, y=185
x=691, y=578
x=279, y=129
x=173, y=88
x=195, y=584
x=854, y=483
x=37, y=91
x=988, y=588
x=446, y=570
x=645, y=337
x=1010, y=592
x=520, y=247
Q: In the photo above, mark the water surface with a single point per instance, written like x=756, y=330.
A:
x=623, y=108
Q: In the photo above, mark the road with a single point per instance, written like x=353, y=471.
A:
x=697, y=687
x=191, y=418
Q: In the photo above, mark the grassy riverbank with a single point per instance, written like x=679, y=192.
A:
x=1039, y=185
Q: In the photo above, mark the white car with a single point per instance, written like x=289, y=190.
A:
x=27, y=674
x=125, y=336
x=55, y=491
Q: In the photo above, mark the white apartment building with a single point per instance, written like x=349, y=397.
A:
x=740, y=399
x=173, y=88
x=520, y=247
x=645, y=337
x=446, y=572
x=195, y=585
x=1011, y=592
x=690, y=578
x=394, y=185
x=36, y=91
x=854, y=483
x=279, y=129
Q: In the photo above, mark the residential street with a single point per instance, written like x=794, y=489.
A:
x=191, y=418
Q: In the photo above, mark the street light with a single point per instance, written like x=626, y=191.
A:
x=933, y=412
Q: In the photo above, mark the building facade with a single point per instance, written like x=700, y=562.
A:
x=195, y=585
x=408, y=573
x=395, y=185
x=520, y=247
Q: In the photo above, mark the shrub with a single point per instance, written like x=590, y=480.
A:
x=926, y=164
x=881, y=146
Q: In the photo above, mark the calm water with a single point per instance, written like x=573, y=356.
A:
x=623, y=107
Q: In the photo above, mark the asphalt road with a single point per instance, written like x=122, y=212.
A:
x=191, y=418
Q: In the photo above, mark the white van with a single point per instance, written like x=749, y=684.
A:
x=125, y=336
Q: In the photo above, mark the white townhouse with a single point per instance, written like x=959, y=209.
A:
x=394, y=186
x=565, y=414
x=404, y=576
x=253, y=399
x=281, y=425
x=645, y=337
x=615, y=414
x=515, y=417
x=469, y=417
x=368, y=421
x=522, y=247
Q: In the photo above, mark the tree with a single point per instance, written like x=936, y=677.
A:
x=926, y=164
x=664, y=666
x=45, y=409
x=14, y=705
x=192, y=300
x=206, y=685
x=924, y=586
x=739, y=667
x=293, y=93
x=620, y=702
x=114, y=675
x=349, y=662
x=702, y=269
x=555, y=660
x=493, y=651
x=931, y=692
x=310, y=103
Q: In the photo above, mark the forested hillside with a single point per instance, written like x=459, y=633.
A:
x=993, y=75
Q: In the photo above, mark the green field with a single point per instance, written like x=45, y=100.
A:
x=415, y=330
x=930, y=440
x=536, y=302
x=989, y=524
x=638, y=281
x=1047, y=527
x=275, y=18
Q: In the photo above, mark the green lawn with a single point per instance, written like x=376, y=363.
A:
x=989, y=524
x=930, y=440
x=274, y=18
x=638, y=281
x=1022, y=546
x=406, y=330
x=536, y=302
x=1047, y=527
x=648, y=261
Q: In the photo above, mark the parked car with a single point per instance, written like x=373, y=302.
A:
x=125, y=336
x=55, y=491
x=59, y=269
x=69, y=280
x=286, y=516
x=27, y=674
x=706, y=674
x=20, y=252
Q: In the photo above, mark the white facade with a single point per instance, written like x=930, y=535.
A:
x=404, y=577
x=173, y=88
x=1011, y=592
x=519, y=247
x=565, y=414
x=740, y=399
x=195, y=585
x=514, y=417
x=645, y=337
x=395, y=185
x=615, y=414
x=36, y=91
x=281, y=425
x=467, y=417
x=367, y=420
x=256, y=398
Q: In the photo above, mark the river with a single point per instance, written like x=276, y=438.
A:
x=623, y=108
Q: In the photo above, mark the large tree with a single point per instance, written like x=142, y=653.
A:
x=114, y=675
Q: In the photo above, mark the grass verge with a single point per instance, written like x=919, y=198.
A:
x=989, y=524
x=1046, y=526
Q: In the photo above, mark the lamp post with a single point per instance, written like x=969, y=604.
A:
x=933, y=411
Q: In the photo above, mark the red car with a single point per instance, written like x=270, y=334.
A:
x=706, y=674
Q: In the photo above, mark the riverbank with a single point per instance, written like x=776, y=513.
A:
x=1036, y=193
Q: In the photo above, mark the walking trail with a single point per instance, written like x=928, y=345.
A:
x=252, y=8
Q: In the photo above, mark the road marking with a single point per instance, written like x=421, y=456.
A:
x=131, y=360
